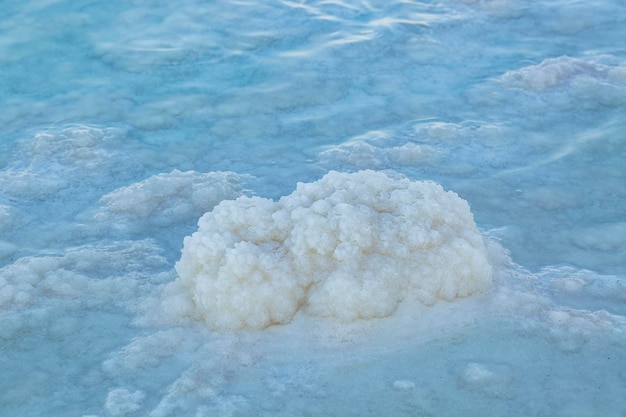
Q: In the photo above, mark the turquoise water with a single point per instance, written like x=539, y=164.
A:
x=123, y=122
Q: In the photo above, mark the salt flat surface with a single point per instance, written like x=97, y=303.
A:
x=123, y=123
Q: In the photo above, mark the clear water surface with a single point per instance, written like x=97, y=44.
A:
x=123, y=122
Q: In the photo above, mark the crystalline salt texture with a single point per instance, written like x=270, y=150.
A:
x=350, y=246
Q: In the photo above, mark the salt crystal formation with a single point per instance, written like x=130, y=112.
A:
x=349, y=246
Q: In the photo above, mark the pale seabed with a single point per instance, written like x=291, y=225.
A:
x=123, y=122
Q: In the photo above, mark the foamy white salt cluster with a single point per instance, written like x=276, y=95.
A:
x=349, y=246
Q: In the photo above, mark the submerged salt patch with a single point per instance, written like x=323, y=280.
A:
x=121, y=402
x=57, y=160
x=550, y=73
x=349, y=246
x=491, y=380
x=592, y=81
x=164, y=199
x=404, y=385
x=88, y=274
x=6, y=216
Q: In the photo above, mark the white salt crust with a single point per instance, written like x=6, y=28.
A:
x=349, y=246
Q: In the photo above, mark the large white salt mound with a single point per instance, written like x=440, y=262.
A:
x=349, y=246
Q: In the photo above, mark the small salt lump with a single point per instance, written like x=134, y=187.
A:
x=349, y=246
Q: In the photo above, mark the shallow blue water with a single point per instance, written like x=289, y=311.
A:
x=520, y=108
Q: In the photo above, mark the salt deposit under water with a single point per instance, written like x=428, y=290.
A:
x=323, y=208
